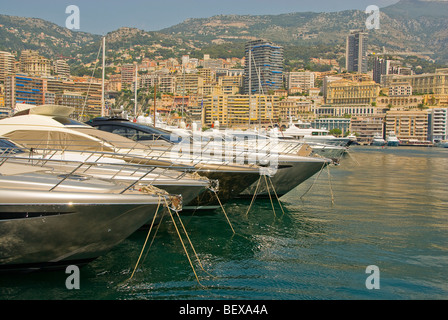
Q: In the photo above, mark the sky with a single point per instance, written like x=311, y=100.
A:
x=103, y=16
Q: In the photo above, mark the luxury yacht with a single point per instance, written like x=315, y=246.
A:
x=49, y=221
x=48, y=128
x=441, y=144
x=312, y=135
x=392, y=140
x=98, y=165
x=378, y=140
x=292, y=164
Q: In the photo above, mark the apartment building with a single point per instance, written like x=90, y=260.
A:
x=128, y=73
x=32, y=64
x=326, y=80
x=167, y=84
x=240, y=111
x=356, y=51
x=113, y=83
x=295, y=109
x=24, y=89
x=400, y=89
x=61, y=68
x=208, y=63
x=4, y=112
x=230, y=85
x=207, y=74
x=408, y=125
x=352, y=92
x=91, y=89
x=148, y=80
x=7, y=63
x=380, y=67
x=438, y=124
x=71, y=99
x=366, y=127
x=429, y=83
x=263, y=71
x=302, y=79
x=49, y=98
x=190, y=84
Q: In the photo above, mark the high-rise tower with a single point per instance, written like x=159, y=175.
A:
x=263, y=71
x=356, y=52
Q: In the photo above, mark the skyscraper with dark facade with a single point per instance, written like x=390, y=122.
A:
x=380, y=67
x=263, y=71
x=356, y=52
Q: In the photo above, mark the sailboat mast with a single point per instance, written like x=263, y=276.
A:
x=103, y=107
x=155, y=97
x=250, y=70
x=135, y=93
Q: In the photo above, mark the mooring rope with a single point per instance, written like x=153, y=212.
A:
x=146, y=240
x=254, y=196
x=269, y=193
x=331, y=188
x=352, y=157
x=192, y=247
x=273, y=188
x=154, y=236
x=317, y=177
x=183, y=245
x=222, y=207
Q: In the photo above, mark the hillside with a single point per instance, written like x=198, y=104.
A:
x=409, y=25
x=17, y=34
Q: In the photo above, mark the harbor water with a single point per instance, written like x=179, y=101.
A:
x=383, y=207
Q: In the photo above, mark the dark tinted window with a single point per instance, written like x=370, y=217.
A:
x=8, y=147
x=136, y=132
x=68, y=121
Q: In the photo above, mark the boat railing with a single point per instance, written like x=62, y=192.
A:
x=174, y=201
x=232, y=152
x=240, y=147
x=130, y=151
x=79, y=145
x=134, y=171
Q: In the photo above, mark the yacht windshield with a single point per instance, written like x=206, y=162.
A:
x=69, y=122
x=115, y=140
x=9, y=147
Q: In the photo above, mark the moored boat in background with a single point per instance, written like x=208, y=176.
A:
x=378, y=140
x=392, y=140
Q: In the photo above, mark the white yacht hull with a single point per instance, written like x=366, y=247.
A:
x=41, y=229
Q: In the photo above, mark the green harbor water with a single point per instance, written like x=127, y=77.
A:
x=386, y=207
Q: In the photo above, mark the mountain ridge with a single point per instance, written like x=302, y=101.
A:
x=409, y=25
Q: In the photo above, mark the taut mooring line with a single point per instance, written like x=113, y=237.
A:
x=273, y=188
x=317, y=177
x=183, y=245
x=146, y=240
x=191, y=244
x=269, y=193
x=217, y=197
x=254, y=196
x=331, y=188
